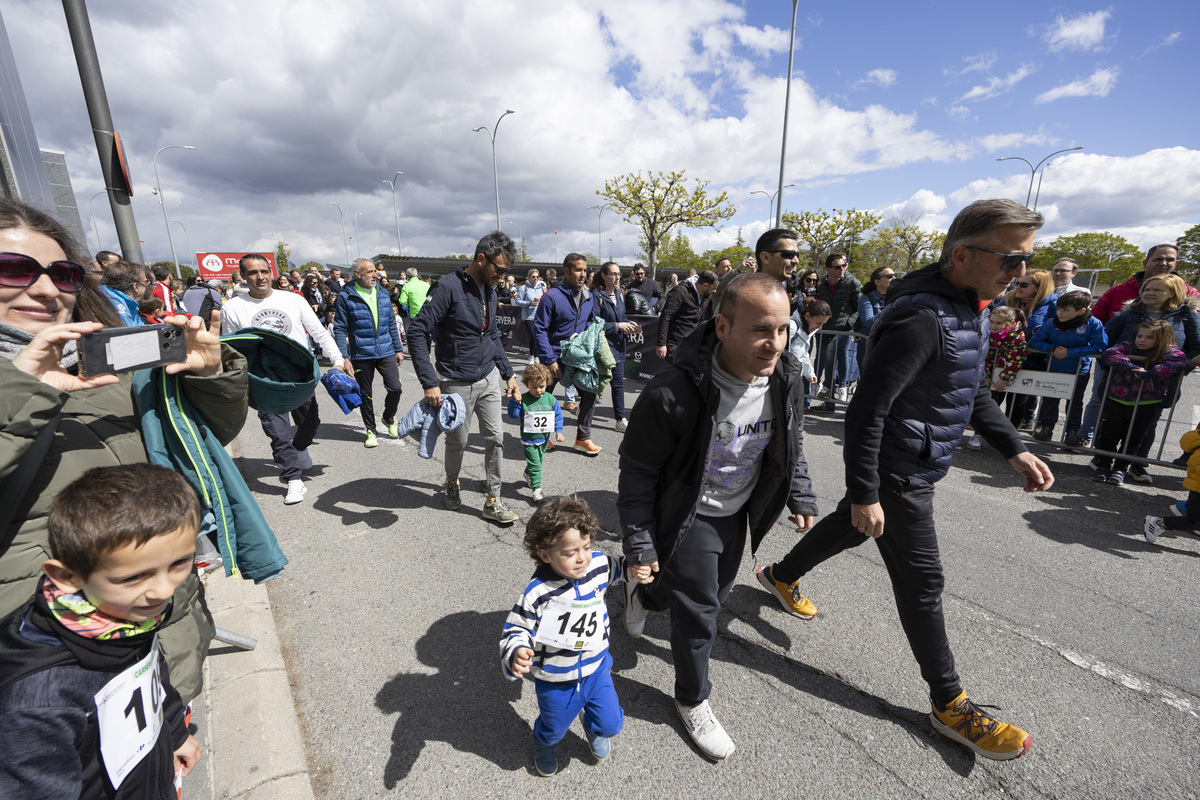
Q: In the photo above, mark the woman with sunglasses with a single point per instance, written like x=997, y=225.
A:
x=1034, y=294
x=617, y=328
x=870, y=304
x=45, y=305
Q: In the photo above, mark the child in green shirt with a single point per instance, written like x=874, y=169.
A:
x=535, y=412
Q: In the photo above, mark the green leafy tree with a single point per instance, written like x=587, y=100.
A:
x=677, y=253
x=1189, y=252
x=822, y=230
x=310, y=264
x=657, y=203
x=1115, y=257
x=523, y=252
x=283, y=257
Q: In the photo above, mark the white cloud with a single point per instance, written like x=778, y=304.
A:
x=1099, y=84
x=958, y=113
x=1001, y=141
x=877, y=77
x=764, y=41
x=997, y=85
x=1082, y=33
x=924, y=205
x=978, y=63
x=1168, y=40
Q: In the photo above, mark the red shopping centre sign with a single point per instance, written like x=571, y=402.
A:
x=222, y=265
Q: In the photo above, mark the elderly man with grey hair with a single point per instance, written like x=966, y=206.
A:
x=922, y=382
x=460, y=314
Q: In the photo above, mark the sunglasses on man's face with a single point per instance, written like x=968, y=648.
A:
x=788, y=255
x=1008, y=261
x=18, y=271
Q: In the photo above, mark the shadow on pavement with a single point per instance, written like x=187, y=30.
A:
x=381, y=496
x=454, y=705
x=754, y=608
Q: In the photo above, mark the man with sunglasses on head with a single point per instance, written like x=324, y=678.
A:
x=924, y=380
x=841, y=291
x=460, y=313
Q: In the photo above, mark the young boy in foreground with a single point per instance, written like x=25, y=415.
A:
x=86, y=706
x=558, y=630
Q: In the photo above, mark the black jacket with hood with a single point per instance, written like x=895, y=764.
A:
x=666, y=451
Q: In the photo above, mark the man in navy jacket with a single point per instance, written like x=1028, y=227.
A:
x=460, y=312
x=563, y=312
x=364, y=327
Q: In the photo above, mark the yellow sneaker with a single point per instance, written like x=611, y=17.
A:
x=967, y=724
x=787, y=594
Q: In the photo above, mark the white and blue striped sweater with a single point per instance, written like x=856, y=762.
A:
x=553, y=664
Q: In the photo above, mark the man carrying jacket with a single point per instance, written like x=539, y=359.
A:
x=285, y=313
x=364, y=328
x=713, y=451
x=460, y=312
x=563, y=312
x=924, y=381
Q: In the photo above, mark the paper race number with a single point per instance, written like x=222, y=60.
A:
x=572, y=624
x=129, y=710
x=539, y=422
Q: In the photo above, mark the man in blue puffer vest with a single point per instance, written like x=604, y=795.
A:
x=364, y=328
x=922, y=380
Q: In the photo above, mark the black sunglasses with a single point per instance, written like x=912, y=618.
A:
x=787, y=254
x=499, y=268
x=18, y=271
x=813, y=279
x=1022, y=284
x=1008, y=261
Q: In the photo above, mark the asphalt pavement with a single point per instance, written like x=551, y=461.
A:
x=388, y=620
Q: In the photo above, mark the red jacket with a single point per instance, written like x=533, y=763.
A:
x=162, y=291
x=1112, y=301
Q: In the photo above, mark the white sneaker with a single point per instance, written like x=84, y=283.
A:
x=537, y=495
x=975, y=442
x=295, y=493
x=841, y=394
x=1153, y=528
x=621, y=425
x=706, y=731
x=305, y=459
x=635, y=612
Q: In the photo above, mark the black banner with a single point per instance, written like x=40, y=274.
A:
x=641, y=364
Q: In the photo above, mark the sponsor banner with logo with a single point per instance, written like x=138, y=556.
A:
x=1042, y=384
x=223, y=265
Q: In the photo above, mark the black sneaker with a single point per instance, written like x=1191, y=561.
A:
x=1043, y=433
x=1072, y=439
x=1100, y=476
x=1116, y=477
x=1138, y=474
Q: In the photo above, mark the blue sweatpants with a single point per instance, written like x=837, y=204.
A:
x=560, y=703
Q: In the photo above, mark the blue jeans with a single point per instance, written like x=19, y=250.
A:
x=560, y=703
x=835, y=360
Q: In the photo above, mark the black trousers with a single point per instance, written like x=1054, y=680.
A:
x=1114, y=425
x=694, y=583
x=285, y=444
x=909, y=548
x=587, y=408
x=364, y=373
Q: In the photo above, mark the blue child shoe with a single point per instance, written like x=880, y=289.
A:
x=545, y=759
x=601, y=745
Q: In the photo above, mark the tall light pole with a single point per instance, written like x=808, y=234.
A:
x=92, y=211
x=186, y=238
x=1034, y=170
x=495, y=173
x=771, y=201
x=510, y=222
x=599, y=237
x=396, y=211
x=357, y=240
x=158, y=191
x=345, y=245
x=787, y=101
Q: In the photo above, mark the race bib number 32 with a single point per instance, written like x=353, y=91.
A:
x=540, y=422
x=129, y=710
x=572, y=624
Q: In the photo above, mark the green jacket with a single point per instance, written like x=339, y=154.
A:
x=100, y=428
x=412, y=296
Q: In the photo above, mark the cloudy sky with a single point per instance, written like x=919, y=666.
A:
x=901, y=108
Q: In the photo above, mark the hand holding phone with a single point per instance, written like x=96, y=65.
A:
x=112, y=350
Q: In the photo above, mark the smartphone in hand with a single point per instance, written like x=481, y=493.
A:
x=112, y=350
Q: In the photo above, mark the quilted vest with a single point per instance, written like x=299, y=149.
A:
x=927, y=420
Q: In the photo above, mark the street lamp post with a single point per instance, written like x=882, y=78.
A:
x=357, y=240
x=599, y=237
x=771, y=201
x=345, y=246
x=92, y=211
x=495, y=173
x=787, y=100
x=186, y=238
x=396, y=211
x=1033, y=170
x=158, y=191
